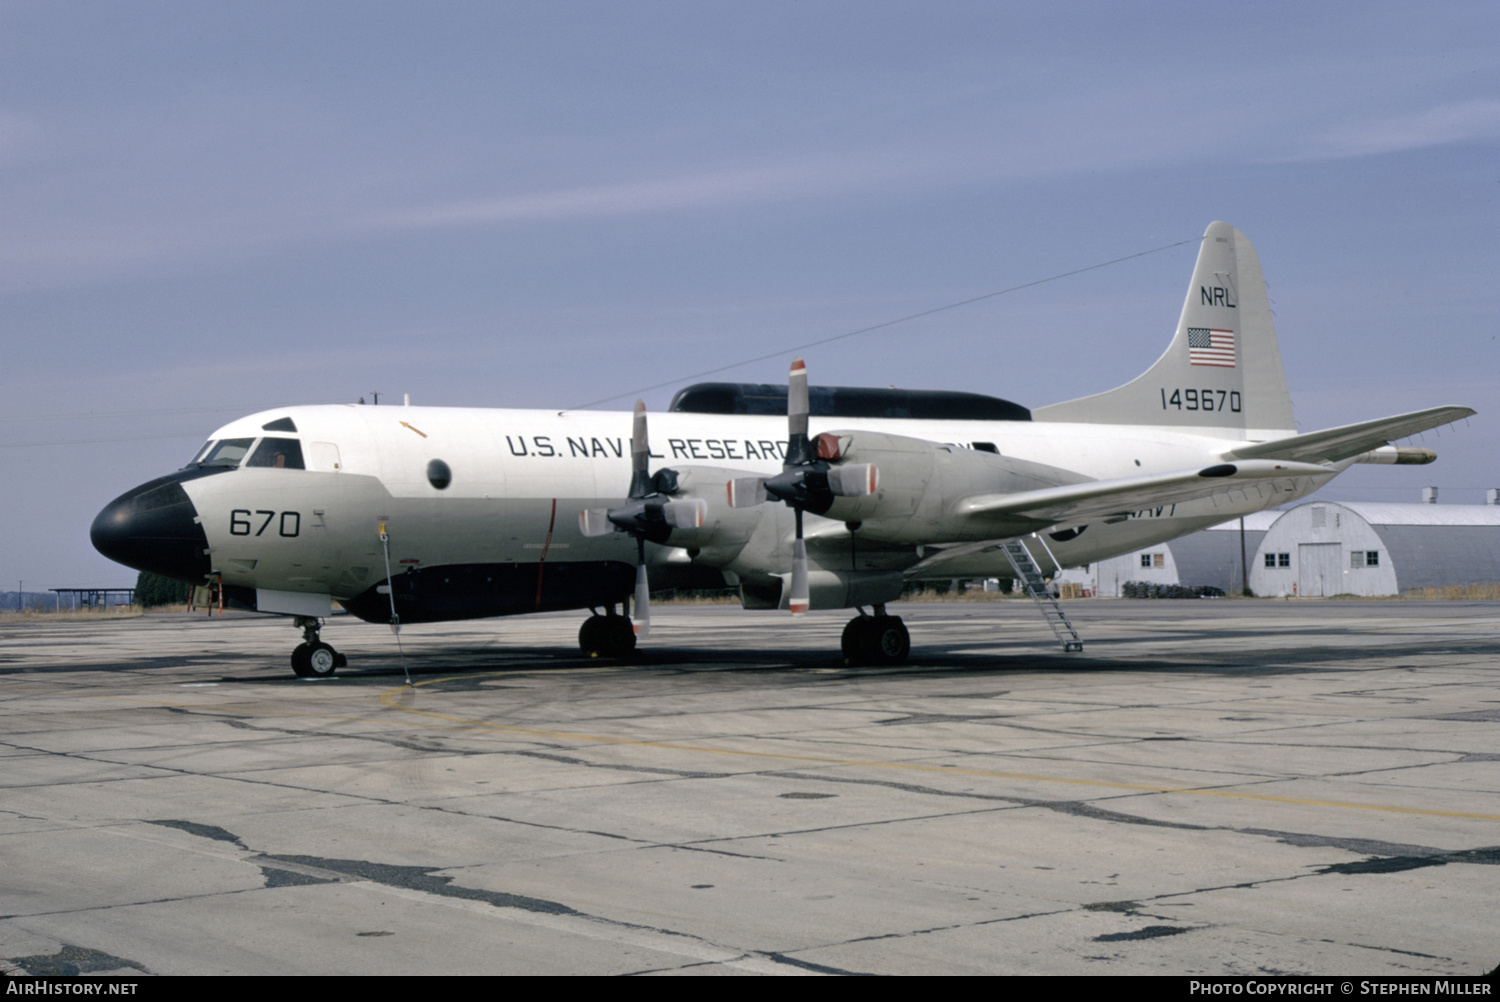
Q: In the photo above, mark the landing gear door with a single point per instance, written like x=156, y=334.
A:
x=323, y=457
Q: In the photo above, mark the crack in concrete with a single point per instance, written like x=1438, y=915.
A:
x=243, y=724
x=285, y=870
x=941, y=718
x=1075, y=808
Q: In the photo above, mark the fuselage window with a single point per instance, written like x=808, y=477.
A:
x=278, y=453
x=226, y=452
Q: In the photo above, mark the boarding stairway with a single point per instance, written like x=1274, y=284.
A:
x=1031, y=580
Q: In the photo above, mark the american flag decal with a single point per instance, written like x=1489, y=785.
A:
x=1208, y=346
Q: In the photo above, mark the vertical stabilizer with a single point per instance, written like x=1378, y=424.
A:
x=1222, y=372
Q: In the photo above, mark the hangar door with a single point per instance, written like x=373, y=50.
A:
x=1320, y=572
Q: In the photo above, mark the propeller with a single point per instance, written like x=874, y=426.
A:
x=648, y=513
x=807, y=482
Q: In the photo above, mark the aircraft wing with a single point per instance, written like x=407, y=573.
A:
x=1075, y=503
x=1334, y=444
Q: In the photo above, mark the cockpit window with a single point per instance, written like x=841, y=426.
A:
x=279, y=453
x=198, y=456
x=227, y=452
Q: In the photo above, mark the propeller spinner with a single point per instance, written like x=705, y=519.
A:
x=648, y=513
x=807, y=482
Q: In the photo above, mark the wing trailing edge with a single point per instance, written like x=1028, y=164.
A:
x=1096, y=499
x=1346, y=441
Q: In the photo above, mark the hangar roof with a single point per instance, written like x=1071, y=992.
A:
x=1258, y=521
x=1377, y=513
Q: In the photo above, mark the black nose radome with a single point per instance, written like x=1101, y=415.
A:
x=154, y=528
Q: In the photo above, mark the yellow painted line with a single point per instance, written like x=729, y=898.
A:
x=387, y=698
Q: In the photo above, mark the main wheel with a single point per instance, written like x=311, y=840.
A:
x=606, y=637
x=591, y=636
x=855, y=641
x=301, y=660
x=620, y=636
x=889, y=641
x=322, y=660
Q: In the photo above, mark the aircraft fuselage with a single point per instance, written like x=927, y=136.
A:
x=496, y=531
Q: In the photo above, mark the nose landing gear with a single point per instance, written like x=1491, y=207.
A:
x=313, y=658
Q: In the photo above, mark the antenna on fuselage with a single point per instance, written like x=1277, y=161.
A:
x=390, y=591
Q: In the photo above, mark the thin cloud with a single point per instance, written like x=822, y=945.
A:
x=1465, y=121
x=706, y=190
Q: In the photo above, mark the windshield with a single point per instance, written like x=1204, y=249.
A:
x=198, y=456
x=227, y=452
x=278, y=453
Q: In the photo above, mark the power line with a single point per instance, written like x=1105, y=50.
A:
x=783, y=352
x=90, y=415
x=193, y=436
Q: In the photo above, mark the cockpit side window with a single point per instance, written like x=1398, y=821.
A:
x=278, y=453
x=226, y=452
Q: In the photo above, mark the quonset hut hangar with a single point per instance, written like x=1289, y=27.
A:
x=1322, y=548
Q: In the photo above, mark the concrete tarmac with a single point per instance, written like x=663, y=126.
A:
x=1211, y=787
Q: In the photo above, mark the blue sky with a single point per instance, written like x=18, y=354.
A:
x=212, y=209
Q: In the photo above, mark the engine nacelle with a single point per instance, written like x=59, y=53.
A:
x=920, y=482
x=723, y=531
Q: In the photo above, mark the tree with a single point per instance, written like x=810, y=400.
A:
x=153, y=590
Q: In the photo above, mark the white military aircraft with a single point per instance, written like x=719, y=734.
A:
x=419, y=514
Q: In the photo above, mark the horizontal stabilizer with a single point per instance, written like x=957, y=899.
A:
x=1074, y=503
x=1334, y=444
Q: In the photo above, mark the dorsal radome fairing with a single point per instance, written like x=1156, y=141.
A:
x=1222, y=373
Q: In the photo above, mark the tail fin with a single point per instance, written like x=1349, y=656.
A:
x=1222, y=373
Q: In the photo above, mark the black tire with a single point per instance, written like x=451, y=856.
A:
x=607, y=637
x=888, y=640
x=302, y=660
x=322, y=660
x=855, y=642
x=591, y=636
x=620, y=637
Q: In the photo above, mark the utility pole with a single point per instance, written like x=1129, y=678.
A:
x=1244, y=567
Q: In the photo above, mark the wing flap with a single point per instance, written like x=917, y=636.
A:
x=1103, y=498
x=1334, y=444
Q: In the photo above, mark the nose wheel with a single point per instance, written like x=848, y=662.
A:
x=876, y=640
x=312, y=658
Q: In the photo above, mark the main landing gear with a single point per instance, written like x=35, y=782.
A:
x=313, y=658
x=607, y=636
x=876, y=640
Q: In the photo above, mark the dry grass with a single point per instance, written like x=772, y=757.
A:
x=728, y=598
x=967, y=595
x=1456, y=593
x=71, y=615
